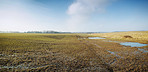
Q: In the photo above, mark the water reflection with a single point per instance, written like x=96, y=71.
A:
x=96, y=38
x=133, y=44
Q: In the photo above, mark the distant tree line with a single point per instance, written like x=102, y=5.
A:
x=48, y=32
x=41, y=32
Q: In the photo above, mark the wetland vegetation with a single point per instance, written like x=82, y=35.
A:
x=73, y=35
x=73, y=52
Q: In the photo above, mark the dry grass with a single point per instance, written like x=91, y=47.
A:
x=131, y=59
x=124, y=58
x=48, y=52
x=137, y=36
x=70, y=53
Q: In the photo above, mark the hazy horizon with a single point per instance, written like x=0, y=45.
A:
x=74, y=15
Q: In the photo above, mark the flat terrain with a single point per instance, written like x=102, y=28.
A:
x=137, y=36
x=70, y=53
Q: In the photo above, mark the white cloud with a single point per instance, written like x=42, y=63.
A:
x=81, y=10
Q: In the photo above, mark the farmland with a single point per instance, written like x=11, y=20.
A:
x=71, y=52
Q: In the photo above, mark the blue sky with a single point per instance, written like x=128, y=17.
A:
x=74, y=15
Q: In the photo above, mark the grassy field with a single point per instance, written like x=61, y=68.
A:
x=137, y=36
x=68, y=52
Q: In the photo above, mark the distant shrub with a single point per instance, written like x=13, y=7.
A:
x=127, y=36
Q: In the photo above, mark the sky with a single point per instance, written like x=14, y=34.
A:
x=74, y=15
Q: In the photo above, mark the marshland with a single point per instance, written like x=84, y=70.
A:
x=73, y=35
x=73, y=52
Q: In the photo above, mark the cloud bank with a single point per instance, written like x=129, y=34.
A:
x=81, y=10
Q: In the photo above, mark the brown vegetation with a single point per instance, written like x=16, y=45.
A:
x=127, y=36
x=67, y=53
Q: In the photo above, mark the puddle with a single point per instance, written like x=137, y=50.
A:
x=133, y=44
x=113, y=53
x=114, y=58
x=111, y=41
x=142, y=50
x=113, y=61
x=96, y=38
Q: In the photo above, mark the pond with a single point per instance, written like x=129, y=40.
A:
x=133, y=44
x=96, y=38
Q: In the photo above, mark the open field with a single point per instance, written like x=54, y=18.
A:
x=70, y=53
x=137, y=36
